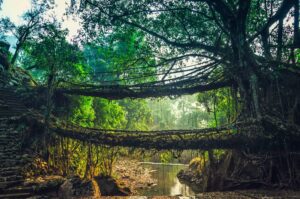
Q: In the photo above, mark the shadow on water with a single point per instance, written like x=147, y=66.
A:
x=167, y=181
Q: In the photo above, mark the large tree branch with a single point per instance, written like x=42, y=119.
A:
x=244, y=6
x=265, y=44
x=296, y=25
x=279, y=40
x=222, y=8
x=280, y=14
x=192, y=44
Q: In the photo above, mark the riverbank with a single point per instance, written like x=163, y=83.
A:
x=150, y=178
x=137, y=177
x=130, y=173
x=239, y=194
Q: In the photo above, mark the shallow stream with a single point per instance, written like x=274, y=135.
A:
x=167, y=181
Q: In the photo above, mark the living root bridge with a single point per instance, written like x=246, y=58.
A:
x=237, y=136
x=142, y=91
x=193, y=139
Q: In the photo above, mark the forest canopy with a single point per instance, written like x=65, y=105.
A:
x=228, y=69
x=249, y=46
x=252, y=43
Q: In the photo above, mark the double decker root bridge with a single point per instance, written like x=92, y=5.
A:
x=242, y=134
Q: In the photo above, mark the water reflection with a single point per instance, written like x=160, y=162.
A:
x=167, y=182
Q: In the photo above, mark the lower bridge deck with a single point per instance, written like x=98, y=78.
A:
x=242, y=135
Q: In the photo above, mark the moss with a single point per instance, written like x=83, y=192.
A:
x=197, y=164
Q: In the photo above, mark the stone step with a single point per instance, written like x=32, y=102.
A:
x=9, y=173
x=11, y=132
x=15, y=195
x=5, y=169
x=8, y=98
x=13, y=137
x=18, y=189
x=9, y=163
x=11, y=145
x=11, y=109
x=17, y=139
x=7, y=130
x=5, y=149
x=8, y=153
x=7, y=158
x=6, y=90
x=6, y=135
x=6, y=185
x=10, y=157
x=16, y=160
x=10, y=142
x=7, y=95
x=4, y=93
x=12, y=104
x=11, y=178
x=7, y=142
x=10, y=138
x=12, y=112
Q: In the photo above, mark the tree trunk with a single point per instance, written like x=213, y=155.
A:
x=49, y=104
x=15, y=56
x=255, y=97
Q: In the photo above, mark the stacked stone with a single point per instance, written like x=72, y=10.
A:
x=10, y=105
x=12, y=158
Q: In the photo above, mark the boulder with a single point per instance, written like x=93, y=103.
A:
x=109, y=187
x=76, y=187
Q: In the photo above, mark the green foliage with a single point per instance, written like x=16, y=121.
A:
x=117, y=58
x=163, y=115
x=82, y=112
x=33, y=23
x=166, y=156
x=184, y=112
x=197, y=164
x=138, y=114
x=220, y=104
x=191, y=113
x=298, y=57
x=109, y=114
x=51, y=54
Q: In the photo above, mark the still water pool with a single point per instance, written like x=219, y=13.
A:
x=167, y=181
